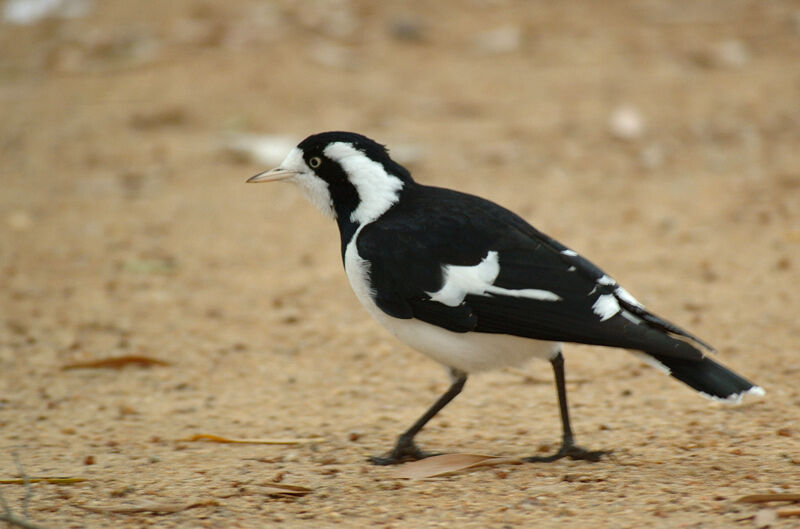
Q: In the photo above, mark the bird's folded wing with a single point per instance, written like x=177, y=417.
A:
x=509, y=279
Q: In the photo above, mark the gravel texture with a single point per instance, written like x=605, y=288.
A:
x=660, y=139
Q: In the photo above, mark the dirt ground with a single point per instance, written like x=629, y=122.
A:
x=660, y=139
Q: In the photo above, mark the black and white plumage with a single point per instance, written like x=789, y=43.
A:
x=473, y=285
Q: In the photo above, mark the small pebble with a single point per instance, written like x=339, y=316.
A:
x=506, y=39
x=268, y=150
x=25, y=12
x=626, y=123
x=652, y=156
x=765, y=518
x=408, y=153
x=19, y=220
x=731, y=53
x=333, y=56
x=406, y=29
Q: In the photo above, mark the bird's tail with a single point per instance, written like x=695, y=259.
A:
x=711, y=379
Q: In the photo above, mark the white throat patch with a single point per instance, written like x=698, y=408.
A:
x=314, y=188
x=377, y=189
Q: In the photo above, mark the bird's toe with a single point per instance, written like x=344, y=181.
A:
x=573, y=452
x=400, y=454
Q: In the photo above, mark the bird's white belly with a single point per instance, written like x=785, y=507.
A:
x=469, y=352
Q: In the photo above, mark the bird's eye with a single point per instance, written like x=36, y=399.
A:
x=315, y=162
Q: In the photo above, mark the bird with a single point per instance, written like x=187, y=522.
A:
x=475, y=287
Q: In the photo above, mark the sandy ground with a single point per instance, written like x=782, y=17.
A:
x=660, y=139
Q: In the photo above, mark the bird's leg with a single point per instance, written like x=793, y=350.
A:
x=568, y=447
x=405, y=449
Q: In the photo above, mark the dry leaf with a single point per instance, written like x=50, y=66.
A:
x=446, y=464
x=765, y=498
x=147, y=506
x=219, y=439
x=285, y=490
x=44, y=479
x=116, y=362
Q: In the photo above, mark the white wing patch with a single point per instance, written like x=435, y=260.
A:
x=652, y=362
x=606, y=306
x=470, y=352
x=462, y=280
x=605, y=280
x=459, y=281
x=625, y=296
x=531, y=293
x=376, y=188
x=631, y=317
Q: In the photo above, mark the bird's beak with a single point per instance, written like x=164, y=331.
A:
x=272, y=175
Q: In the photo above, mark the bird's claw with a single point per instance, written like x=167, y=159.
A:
x=401, y=453
x=571, y=451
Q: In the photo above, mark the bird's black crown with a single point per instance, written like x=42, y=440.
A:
x=315, y=144
x=318, y=142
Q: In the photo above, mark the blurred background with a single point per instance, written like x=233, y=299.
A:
x=659, y=138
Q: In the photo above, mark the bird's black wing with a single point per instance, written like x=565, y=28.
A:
x=409, y=247
x=406, y=250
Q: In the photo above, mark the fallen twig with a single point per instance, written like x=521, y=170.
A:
x=444, y=464
x=8, y=515
x=53, y=480
x=766, y=498
x=146, y=506
x=26, y=500
x=116, y=362
x=219, y=439
x=12, y=519
x=284, y=489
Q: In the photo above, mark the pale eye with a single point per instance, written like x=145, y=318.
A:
x=315, y=162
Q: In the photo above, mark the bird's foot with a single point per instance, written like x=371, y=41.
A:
x=401, y=453
x=571, y=451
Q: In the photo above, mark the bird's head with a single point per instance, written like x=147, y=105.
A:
x=345, y=175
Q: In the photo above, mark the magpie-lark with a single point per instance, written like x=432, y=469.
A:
x=474, y=286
